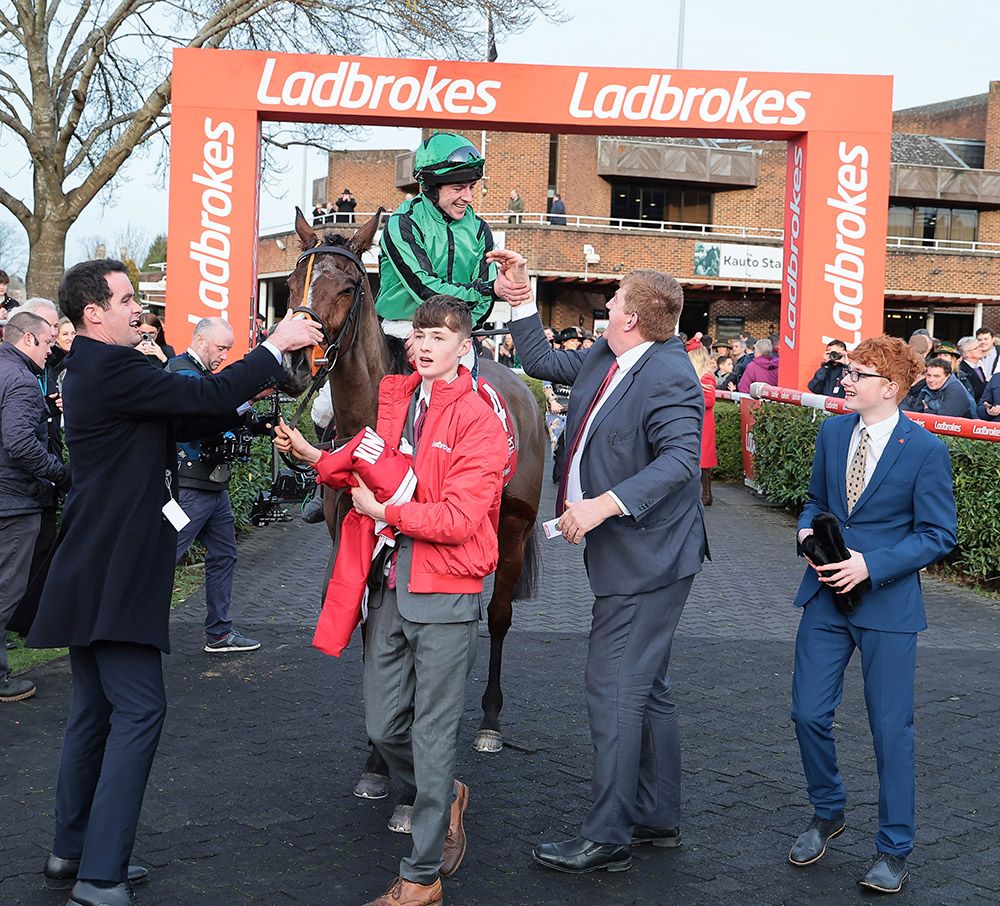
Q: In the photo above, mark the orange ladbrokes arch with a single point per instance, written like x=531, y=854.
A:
x=838, y=129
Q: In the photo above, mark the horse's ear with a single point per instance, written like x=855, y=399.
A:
x=362, y=240
x=307, y=235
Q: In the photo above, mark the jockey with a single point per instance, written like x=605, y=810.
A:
x=435, y=243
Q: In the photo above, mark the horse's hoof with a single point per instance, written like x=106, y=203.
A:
x=488, y=741
x=401, y=819
x=372, y=786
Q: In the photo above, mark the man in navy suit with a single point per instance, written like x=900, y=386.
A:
x=631, y=484
x=888, y=483
x=107, y=595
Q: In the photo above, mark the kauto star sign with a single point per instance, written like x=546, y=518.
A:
x=831, y=266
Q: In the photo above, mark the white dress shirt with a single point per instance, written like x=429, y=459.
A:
x=626, y=360
x=878, y=438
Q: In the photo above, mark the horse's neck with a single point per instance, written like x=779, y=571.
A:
x=355, y=380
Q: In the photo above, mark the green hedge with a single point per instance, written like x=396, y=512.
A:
x=785, y=439
x=728, y=444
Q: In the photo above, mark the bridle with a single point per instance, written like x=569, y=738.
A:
x=325, y=357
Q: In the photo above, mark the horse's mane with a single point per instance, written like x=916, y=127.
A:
x=397, y=356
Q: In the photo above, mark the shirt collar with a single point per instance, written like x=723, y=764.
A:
x=426, y=396
x=627, y=359
x=197, y=361
x=884, y=428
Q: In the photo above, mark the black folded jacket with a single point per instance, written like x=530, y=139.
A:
x=826, y=545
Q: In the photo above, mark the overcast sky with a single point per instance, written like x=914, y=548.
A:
x=934, y=51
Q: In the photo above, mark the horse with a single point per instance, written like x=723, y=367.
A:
x=330, y=284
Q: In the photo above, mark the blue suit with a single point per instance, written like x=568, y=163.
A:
x=904, y=520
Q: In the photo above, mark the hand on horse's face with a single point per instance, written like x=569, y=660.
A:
x=295, y=333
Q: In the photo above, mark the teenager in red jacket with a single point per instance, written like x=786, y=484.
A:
x=422, y=627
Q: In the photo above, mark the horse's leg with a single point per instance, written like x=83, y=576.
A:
x=517, y=521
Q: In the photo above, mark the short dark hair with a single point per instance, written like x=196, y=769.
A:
x=444, y=311
x=722, y=358
x=839, y=343
x=943, y=364
x=86, y=284
x=23, y=322
x=4, y=278
x=657, y=300
x=984, y=330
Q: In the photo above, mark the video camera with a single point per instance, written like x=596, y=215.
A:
x=232, y=446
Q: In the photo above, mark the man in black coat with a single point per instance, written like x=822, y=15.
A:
x=29, y=473
x=827, y=378
x=107, y=595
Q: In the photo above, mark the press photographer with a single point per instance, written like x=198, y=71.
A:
x=203, y=471
x=826, y=380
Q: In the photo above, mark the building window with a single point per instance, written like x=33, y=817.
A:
x=932, y=224
x=635, y=201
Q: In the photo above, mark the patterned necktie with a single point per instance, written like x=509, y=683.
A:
x=856, y=471
x=578, y=437
x=418, y=429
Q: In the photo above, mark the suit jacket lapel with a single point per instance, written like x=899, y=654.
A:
x=622, y=387
x=585, y=387
x=843, y=448
x=898, y=439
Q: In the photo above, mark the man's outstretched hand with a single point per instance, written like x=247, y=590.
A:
x=512, y=283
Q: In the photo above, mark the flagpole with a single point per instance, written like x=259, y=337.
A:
x=680, y=37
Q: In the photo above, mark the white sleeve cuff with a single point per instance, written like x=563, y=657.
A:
x=621, y=506
x=274, y=350
x=524, y=310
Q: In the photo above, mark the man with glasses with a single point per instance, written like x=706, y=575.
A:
x=891, y=529
x=435, y=244
x=29, y=473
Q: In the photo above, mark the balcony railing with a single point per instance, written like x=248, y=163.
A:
x=714, y=230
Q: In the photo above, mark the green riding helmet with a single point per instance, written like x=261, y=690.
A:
x=446, y=158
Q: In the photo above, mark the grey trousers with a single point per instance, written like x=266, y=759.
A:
x=414, y=688
x=633, y=717
x=17, y=543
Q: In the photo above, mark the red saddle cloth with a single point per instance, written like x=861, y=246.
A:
x=489, y=394
x=389, y=475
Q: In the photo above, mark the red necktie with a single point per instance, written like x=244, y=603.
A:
x=418, y=429
x=578, y=437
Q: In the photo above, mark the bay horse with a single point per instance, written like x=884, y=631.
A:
x=339, y=296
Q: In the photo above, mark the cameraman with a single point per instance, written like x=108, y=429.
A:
x=203, y=472
x=826, y=380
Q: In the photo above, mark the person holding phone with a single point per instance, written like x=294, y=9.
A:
x=152, y=342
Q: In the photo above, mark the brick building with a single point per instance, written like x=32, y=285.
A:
x=682, y=205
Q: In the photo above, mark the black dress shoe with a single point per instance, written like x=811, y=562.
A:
x=888, y=874
x=61, y=873
x=88, y=893
x=665, y=837
x=811, y=843
x=581, y=855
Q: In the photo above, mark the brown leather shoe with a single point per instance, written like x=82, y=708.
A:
x=409, y=893
x=455, y=840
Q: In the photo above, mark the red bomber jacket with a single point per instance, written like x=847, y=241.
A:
x=459, y=464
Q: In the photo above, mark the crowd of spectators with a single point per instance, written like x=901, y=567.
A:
x=961, y=379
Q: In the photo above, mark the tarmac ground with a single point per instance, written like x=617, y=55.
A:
x=250, y=797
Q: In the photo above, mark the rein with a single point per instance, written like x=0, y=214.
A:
x=323, y=364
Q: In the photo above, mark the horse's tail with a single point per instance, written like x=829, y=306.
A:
x=527, y=583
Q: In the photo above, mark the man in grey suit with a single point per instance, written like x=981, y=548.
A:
x=631, y=489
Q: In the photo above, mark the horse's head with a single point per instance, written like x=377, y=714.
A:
x=329, y=285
